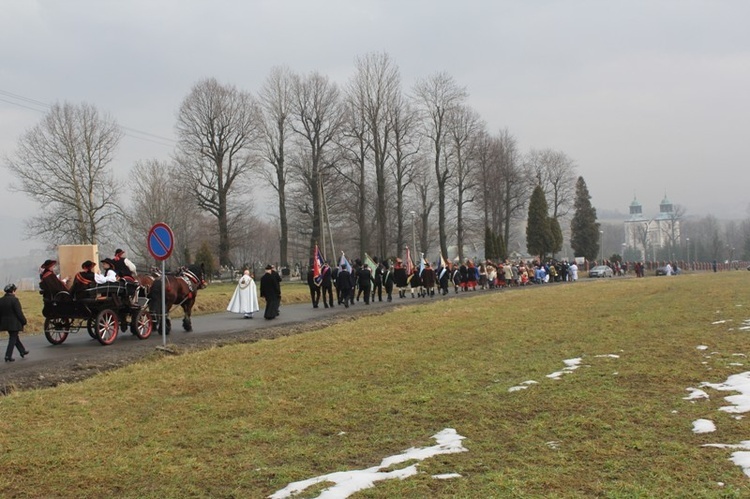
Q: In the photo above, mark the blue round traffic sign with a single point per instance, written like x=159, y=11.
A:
x=160, y=241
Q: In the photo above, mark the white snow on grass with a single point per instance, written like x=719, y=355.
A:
x=571, y=365
x=702, y=347
x=703, y=426
x=719, y=322
x=447, y=476
x=609, y=355
x=347, y=483
x=740, y=404
x=734, y=383
x=695, y=394
x=523, y=385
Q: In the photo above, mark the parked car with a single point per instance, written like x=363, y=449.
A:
x=601, y=271
x=663, y=270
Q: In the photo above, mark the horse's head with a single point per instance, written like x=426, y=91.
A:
x=195, y=273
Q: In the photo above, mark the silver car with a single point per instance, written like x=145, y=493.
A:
x=601, y=271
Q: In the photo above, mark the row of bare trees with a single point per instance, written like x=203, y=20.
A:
x=347, y=166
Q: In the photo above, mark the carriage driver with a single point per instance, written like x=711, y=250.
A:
x=124, y=268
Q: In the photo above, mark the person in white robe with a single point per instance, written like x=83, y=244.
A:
x=245, y=297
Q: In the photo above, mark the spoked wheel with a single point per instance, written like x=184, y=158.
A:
x=107, y=325
x=91, y=327
x=142, y=325
x=56, y=330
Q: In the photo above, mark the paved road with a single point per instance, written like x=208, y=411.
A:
x=81, y=344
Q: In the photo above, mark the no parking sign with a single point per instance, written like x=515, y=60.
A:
x=160, y=241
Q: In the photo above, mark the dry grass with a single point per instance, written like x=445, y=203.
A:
x=243, y=421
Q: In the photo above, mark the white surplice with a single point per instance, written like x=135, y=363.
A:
x=245, y=297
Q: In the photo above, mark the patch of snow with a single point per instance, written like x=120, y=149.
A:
x=702, y=347
x=609, y=355
x=695, y=393
x=516, y=388
x=703, y=426
x=447, y=476
x=719, y=322
x=350, y=482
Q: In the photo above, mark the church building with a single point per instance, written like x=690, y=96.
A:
x=649, y=234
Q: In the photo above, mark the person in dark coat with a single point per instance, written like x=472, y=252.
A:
x=344, y=286
x=122, y=269
x=364, y=282
x=388, y=280
x=13, y=321
x=428, y=280
x=314, y=288
x=444, y=278
x=378, y=282
x=49, y=283
x=270, y=290
x=326, y=286
x=400, y=279
x=83, y=280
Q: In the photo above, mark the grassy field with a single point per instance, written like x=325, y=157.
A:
x=246, y=420
x=214, y=298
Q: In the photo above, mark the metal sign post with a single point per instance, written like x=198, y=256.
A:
x=160, y=245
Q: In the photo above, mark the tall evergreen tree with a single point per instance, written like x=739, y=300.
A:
x=584, y=229
x=539, y=240
x=556, y=234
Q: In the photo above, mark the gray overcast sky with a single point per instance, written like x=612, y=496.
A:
x=647, y=97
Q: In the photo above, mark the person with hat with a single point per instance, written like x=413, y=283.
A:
x=400, y=278
x=270, y=290
x=108, y=272
x=49, y=283
x=83, y=280
x=13, y=321
x=124, y=268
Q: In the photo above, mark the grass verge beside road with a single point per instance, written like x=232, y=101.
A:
x=245, y=420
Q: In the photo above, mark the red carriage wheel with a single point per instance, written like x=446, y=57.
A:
x=142, y=325
x=107, y=326
x=56, y=330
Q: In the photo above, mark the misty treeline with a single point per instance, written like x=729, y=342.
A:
x=363, y=166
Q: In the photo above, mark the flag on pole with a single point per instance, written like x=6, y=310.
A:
x=409, y=264
x=343, y=262
x=442, y=266
x=318, y=262
x=371, y=263
x=421, y=264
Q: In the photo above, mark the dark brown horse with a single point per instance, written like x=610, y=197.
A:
x=181, y=290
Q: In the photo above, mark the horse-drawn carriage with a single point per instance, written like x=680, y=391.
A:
x=102, y=310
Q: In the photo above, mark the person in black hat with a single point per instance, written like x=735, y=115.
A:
x=108, y=272
x=270, y=290
x=49, y=283
x=83, y=280
x=124, y=268
x=13, y=321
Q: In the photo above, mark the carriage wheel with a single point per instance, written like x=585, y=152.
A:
x=56, y=330
x=91, y=327
x=142, y=325
x=107, y=326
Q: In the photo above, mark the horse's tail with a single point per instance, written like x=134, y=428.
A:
x=154, y=297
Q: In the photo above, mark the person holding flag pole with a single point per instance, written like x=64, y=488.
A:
x=343, y=281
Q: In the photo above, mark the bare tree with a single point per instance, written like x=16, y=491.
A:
x=404, y=149
x=555, y=172
x=276, y=101
x=317, y=121
x=63, y=163
x=216, y=125
x=374, y=91
x=513, y=187
x=464, y=130
x=355, y=145
x=437, y=97
x=157, y=198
